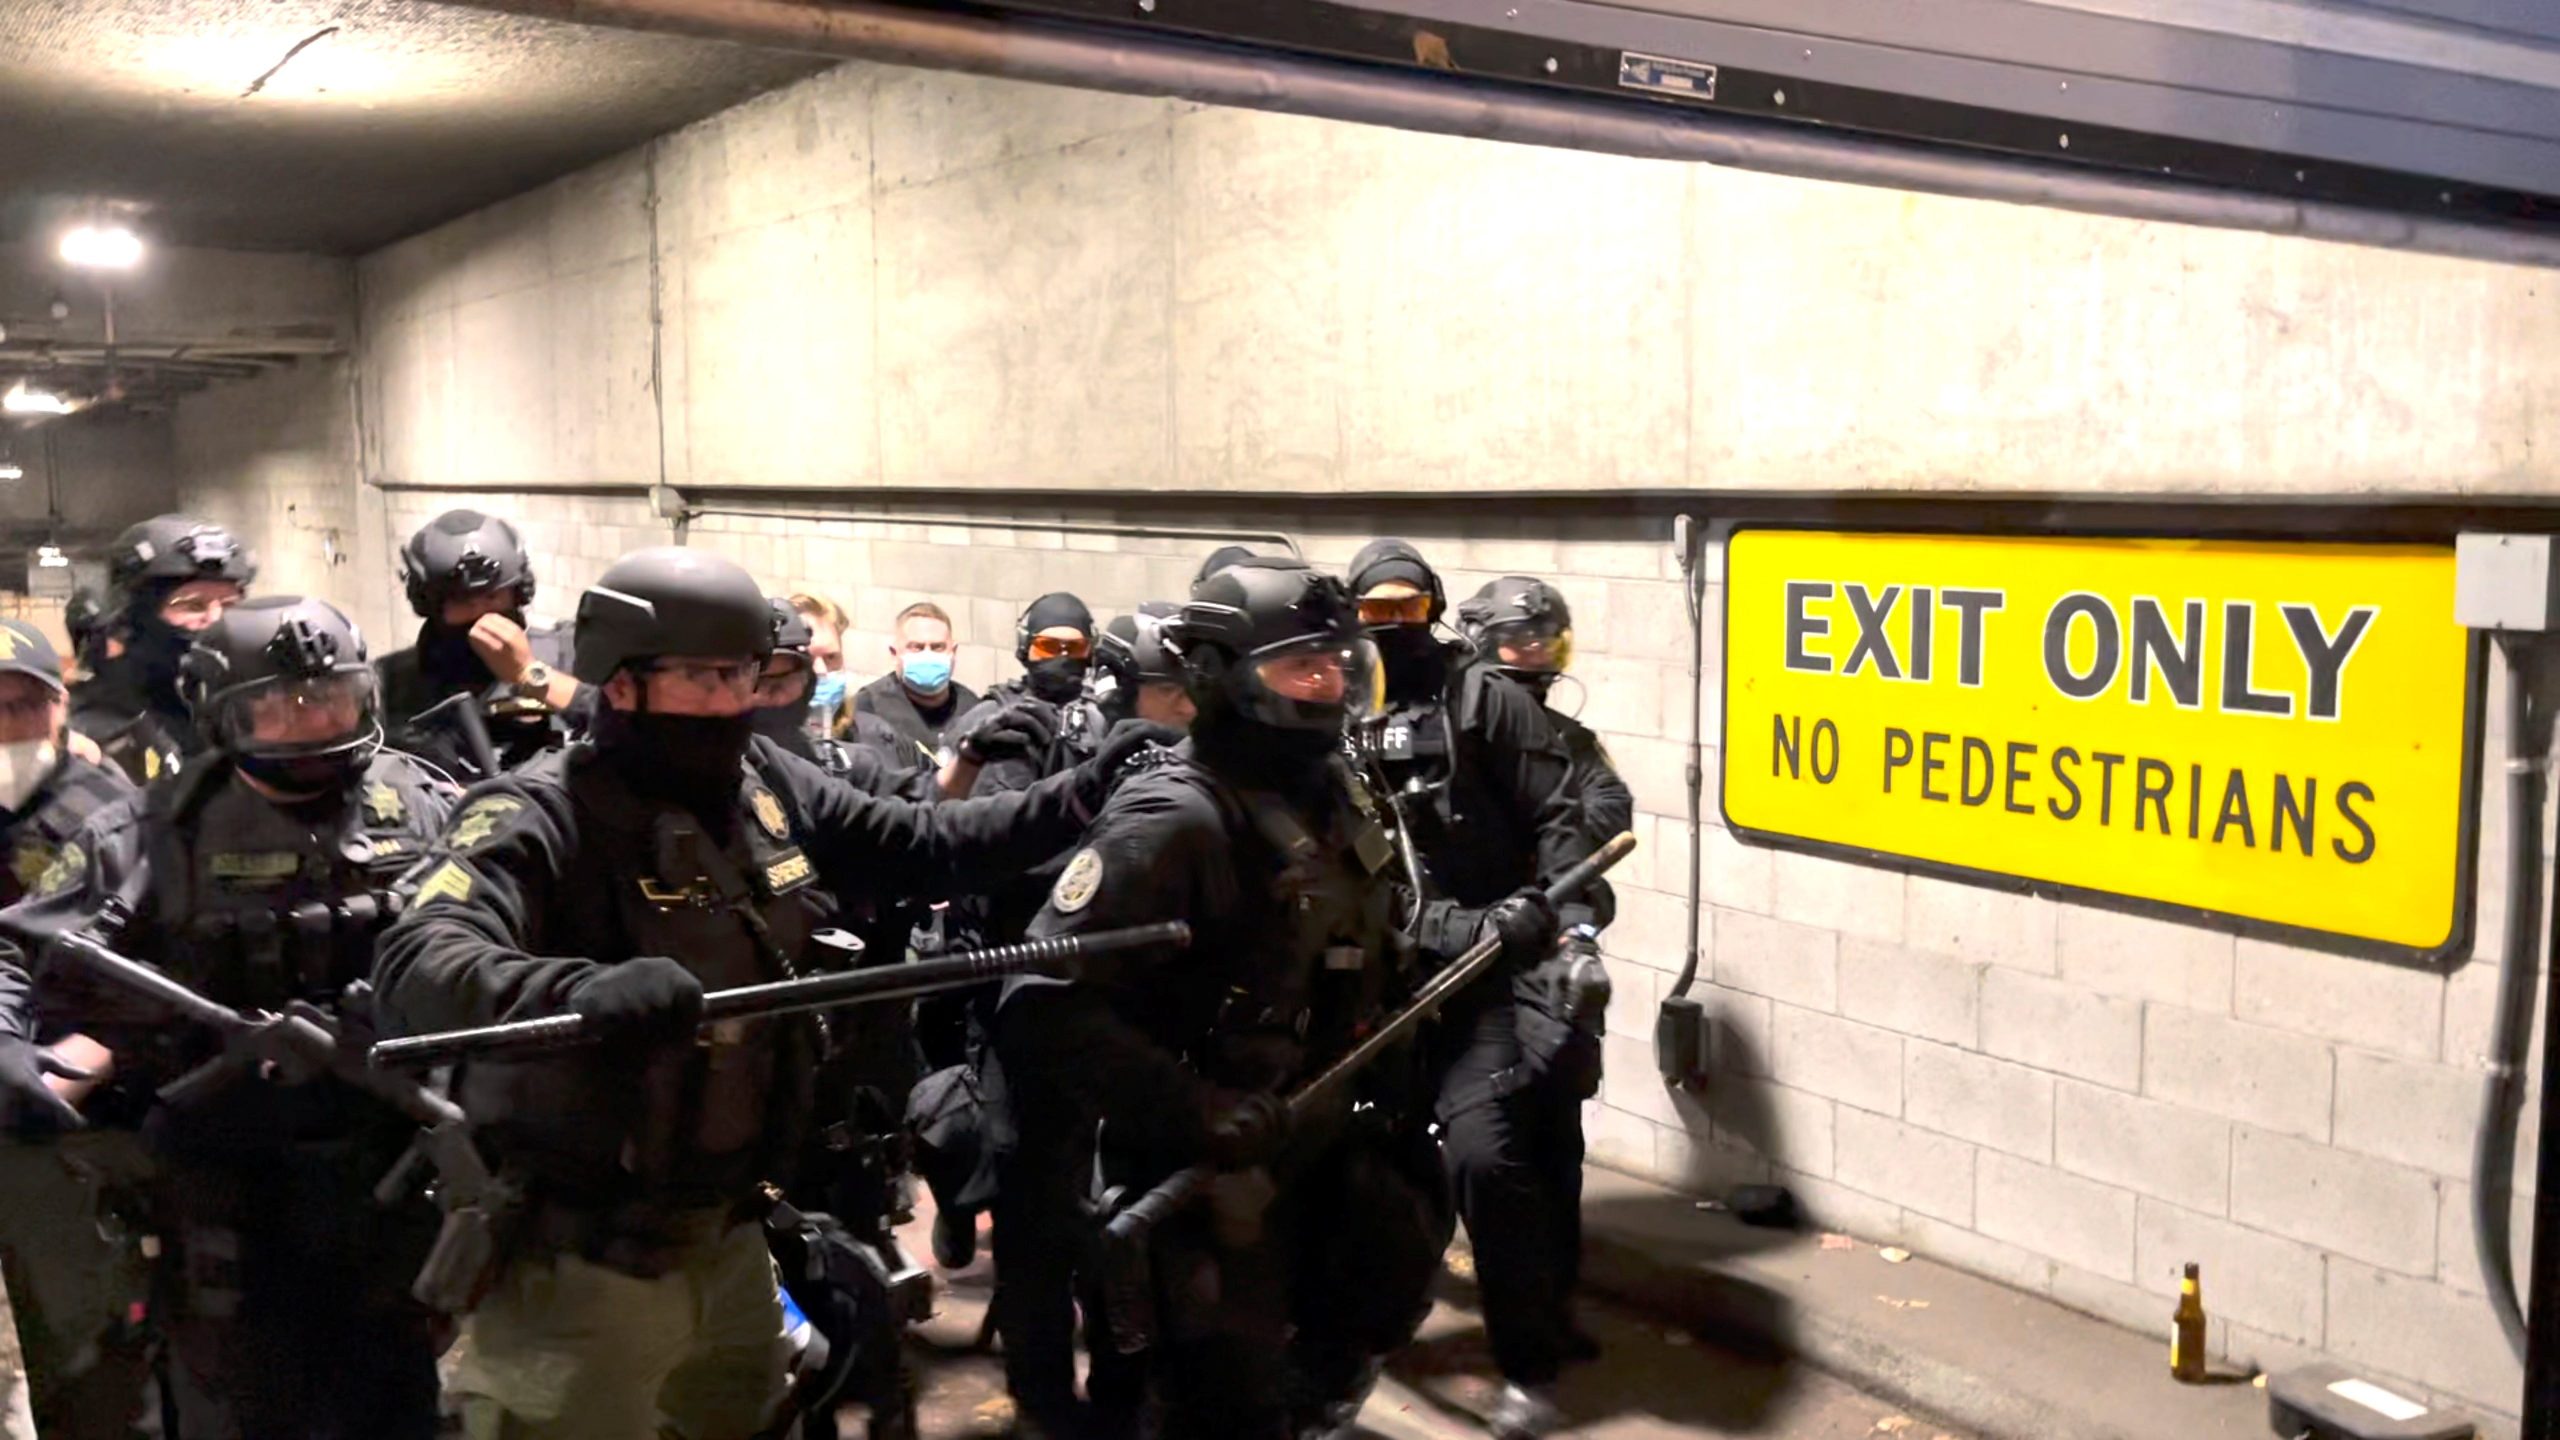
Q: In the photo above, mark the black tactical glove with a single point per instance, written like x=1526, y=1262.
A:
x=27, y=1104
x=1251, y=1132
x=647, y=1000
x=1585, y=990
x=1015, y=731
x=1526, y=924
x=1095, y=777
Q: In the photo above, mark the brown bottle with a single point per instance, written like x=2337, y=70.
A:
x=2186, y=1330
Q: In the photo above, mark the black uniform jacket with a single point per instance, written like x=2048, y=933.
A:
x=521, y=903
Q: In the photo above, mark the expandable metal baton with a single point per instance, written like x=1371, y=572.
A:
x=1056, y=956
x=1177, y=1190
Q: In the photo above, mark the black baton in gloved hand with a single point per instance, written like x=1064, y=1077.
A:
x=1055, y=957
x=1179, y=1188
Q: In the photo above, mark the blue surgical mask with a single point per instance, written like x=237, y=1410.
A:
x=828, y=698
x=926, y=671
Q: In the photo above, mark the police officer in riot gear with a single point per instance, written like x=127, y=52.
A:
x=1483, y=782
x=1053, y=640
x=66, y=1283
x=260, y=876
x=1522, y=629
x=470, y=581
x=83, y=620
x=167, y=579
x=1273, y=1304
x=670, y=851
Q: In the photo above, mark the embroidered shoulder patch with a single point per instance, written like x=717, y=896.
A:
x=1078, y=883
x=29, y=862
x=480, y=819
x=62, y=872
x=448, y=881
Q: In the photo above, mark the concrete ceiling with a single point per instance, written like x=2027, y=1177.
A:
x=327, y=126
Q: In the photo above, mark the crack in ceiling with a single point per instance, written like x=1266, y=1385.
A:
x=328, y=126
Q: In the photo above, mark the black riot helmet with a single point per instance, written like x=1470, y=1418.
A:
x=166, y=551
x=789, y=671
x=1271, y=643
x=282, y=684
x=1130, y=650
x=463, y=552
x=84, y=619
x=1219, y=559
x=1130, y=654
x=783, y=694
x=669, y=600
x=1526, y=616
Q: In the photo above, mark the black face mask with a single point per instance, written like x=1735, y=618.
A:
x=788, y=727
x=1056, y=681
x=691, y=760
x=154, y=647
x=1278, y=756
x=445, y=653
x=1417, y=663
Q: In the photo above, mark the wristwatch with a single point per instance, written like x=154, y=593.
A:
x=534, y=681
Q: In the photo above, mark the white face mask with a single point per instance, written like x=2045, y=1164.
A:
x=24, y=767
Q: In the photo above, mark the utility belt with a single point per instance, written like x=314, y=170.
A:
x=310, y=951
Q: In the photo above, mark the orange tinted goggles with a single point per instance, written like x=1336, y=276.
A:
x=1060, y=647
x=1395, y=610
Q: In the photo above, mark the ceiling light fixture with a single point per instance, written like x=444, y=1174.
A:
x=101, y=247
x=22, y=401
x=50, y=557
x=9, y=473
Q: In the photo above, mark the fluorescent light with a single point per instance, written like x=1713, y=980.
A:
x=50, y=557
x=101, y=247
x=22, y=401
x=9, y=472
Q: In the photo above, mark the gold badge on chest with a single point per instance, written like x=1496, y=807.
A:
x=768, y=813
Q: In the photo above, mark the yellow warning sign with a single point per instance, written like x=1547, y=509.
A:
x=2281, y=732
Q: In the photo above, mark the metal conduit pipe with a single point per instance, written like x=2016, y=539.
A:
x=715, y=510
x=2493, y=1144
x=1141, y=64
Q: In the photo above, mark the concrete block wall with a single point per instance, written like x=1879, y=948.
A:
x=274, y=459
x=930, y=295
x=895, y=278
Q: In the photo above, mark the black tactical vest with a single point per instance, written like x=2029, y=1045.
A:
x=703, y=1123
x=1313, y=955
x=258, y=904
x=1474, y=843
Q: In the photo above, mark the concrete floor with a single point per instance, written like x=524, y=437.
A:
x=1650, y=1382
